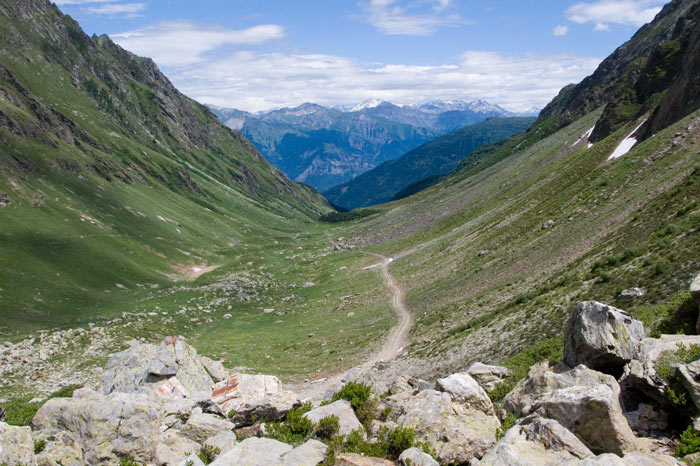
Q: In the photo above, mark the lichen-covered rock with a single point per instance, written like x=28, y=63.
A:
x=465, y=390
x=416, y=457
x=216, y=369
x=310, y=453
x=488, y=376
x=340, y=408
x=535, y=441
x=59, y=448
x=256, y=451
x=171, y=369
x=582, y=400
x=353, y=459
x=201, y=426
x=601, y=337
x=457, y=433
x=172, y=446
x=106, y=427
x=16, y=446
x=224, y=441
x=640, y=376
x=254, y=397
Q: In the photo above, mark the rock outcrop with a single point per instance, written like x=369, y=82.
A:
x=16, y=446
x=343, y=410
x=415, y=457
x=488, y=376
x=267, y=452
x=601, y=337
x=465, y=390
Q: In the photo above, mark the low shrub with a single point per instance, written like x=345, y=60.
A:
x=328, y=427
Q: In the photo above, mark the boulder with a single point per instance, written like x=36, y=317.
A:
x=224, y=441
x=646, y=419
x=535, y=441
x=582, y=400
x=353, y=459
x=201, y=426
x=631, y=459
x=640, y=377
x=341, y=408
x=402, y=384
x=695, y=288
x=172, y=369
x=109, y=426
x=253, y=397
x=16, y=446
x=488, y=376
x=416, y=457
x=456, y=432
x=191, y=460
x=689, y=375
x=601, y=337
x=172, y=446
x=465, y=390
x=632, y=293
x=256, y=451
x=59, y=448
x=215, y=369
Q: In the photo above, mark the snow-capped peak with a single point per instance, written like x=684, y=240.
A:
x=371, y=103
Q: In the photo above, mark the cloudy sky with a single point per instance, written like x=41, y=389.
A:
x=275, y=53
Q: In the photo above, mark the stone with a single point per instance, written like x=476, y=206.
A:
x=341, y=408
x=582, y=400
x=144, y=368
x=172, y=446
x=59, y=448
x=640, y=378
x=201, y=426
x=256, y=451
x=601, y=337
x=106, y=427
x=632, y=293
x=256, y=430
x=215, y=369
x=695, y=288
x=191, y=460
x=353, y=459
x=401, y=384
x=416, y=457
x=646, y=419
x=310, y=453
x=689, y=374
x=547, y=225
x=456, y=433
x=224, y=441
x=253, y=397
x=536, y=441
x=465, y=390
x=16, y=446
x=488, y=376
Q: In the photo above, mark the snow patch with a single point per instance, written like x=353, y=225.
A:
x=371, y=103
x=585, y=135
x=626, y=145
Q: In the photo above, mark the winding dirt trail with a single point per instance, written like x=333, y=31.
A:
x=393, y=346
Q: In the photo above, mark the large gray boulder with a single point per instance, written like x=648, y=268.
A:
x=224, y=441
x=488, y=376
x=16, y=446
x=456, y=432
x=106, y=427
x=582, y=400
x=353, y=459
x=265, y=452
x=465, y=390
x=172, y=446
x=201, y=426
x=601, y=337
x=172, y=369
x=343, y=410
x=416, y=457
x=640, y=377
x=253, y=398
x=535, y=441
x=59, y=448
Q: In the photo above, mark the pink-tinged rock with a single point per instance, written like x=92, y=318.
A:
x=172, y=388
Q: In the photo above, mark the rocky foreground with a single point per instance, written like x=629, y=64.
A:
x=619, y=398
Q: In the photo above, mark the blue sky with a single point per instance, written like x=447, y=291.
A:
x=275, y=53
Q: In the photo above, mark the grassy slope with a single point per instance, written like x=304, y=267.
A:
x=635, y=213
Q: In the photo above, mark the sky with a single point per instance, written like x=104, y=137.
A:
x=269, y=54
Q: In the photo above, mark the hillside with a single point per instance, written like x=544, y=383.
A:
x=437, y=157
x=324, y=147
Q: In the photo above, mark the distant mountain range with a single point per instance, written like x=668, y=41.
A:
x=324, y=146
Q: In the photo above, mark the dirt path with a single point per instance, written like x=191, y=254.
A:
x=393, y=346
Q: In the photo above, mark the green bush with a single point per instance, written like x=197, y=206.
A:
x=389, y=443
x=127, y=461
x=508, y=422
x=400, y=439
x=690, y=442
x=295, y=429
x=360, y=397
x=209, y=453
x=328, y=427
x=39, y=446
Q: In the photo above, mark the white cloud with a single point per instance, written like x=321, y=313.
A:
x=605, y=12
x=183, y=43
x=117, y=8
x=414, y=19
x=560, y=30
